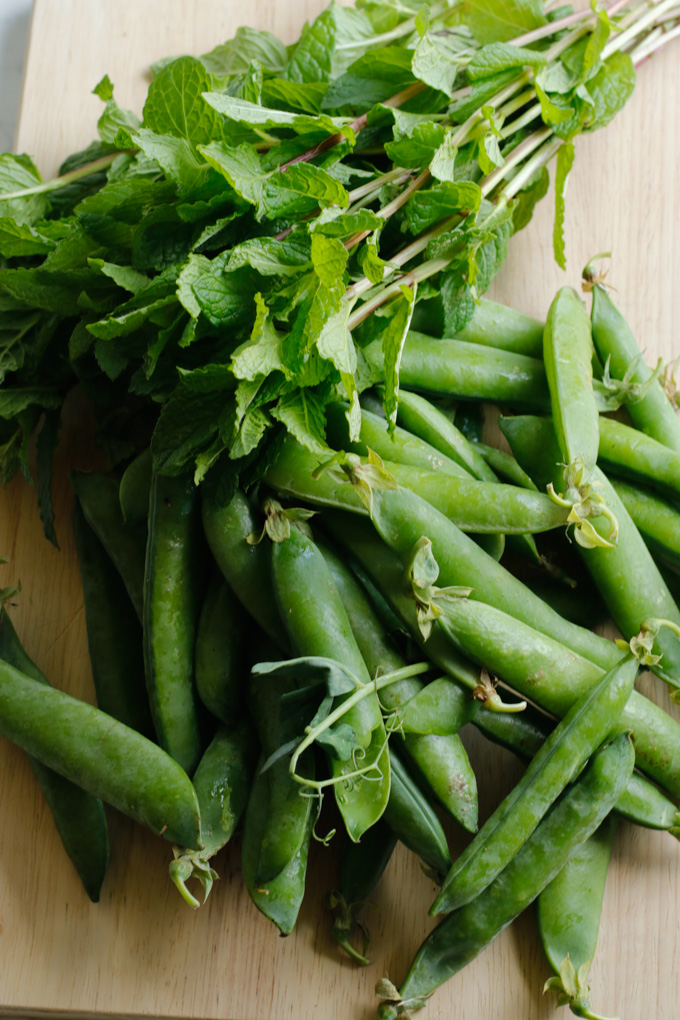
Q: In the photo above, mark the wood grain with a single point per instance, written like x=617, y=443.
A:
x=141, y=952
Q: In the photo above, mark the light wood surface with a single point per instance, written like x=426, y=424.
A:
x=141, y=951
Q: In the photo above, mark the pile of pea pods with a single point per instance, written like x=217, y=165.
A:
x=415, y=581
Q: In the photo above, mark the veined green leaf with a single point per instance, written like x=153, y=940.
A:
x=17, y=173
x=329, y=258
x=234, y=56
x=14, y=401
x=333, y=223
x=271, y=257
x=225, y=298
x=565, y=161
x=194, y=268
x=176, y=157
x=244, y=112
x=501, y=56
x=312, y=181
x=187, y=423
x=240, y=165
x=372, y=266
x=114, y=116
x=442, y=164
x=611, y=88
x=123, y=276
x=30, y=288
x=437, y=59
x=304, y=416
x=329, y=45
x=20, y=240
x=372, y=78
x=499, y=20
x=418, y=148
x=427, y=207
x=261, y=354
x=282, y=94
x=396, y=317
x=175, y=105
x=249, y=435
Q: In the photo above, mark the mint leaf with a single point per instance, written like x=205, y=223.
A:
x=20, y=240
x=249, y=435
x=373, y=78
x=427, y=207
x=114, y=116
x=499, y=20
x=565, y=161
x=261, y=354
x=175, y=105
x=329, y=258
x=442, y=164
x=398, y=314
x=313, y=181
x=525, y=201
x=244, y=112
x=176, y=157
x=437, y=59
x=17, y=173
x=611, y=88
x=457, y=301
x=418, y=148
x=293, y=95
x=14, y=401
x=372, y=266
x=187, y=423
x=29, y=288
x=329, y=45
x=45, y=447
x=241, y=167
x=272, y=257
x=234, y=56
x=225, y=298
x=333, y=223
x=123, y=276
x=501, y=56
x=304, y=415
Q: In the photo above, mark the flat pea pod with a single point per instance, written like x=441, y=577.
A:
x=567, y=354
x=171, y=601
x=410, y=815
x=464, y=933
x=135, y=489
x=280, y=898
x=78, y=815
x=505, y=466
x=560, y=758
x=455, y=368
x=402, y=518
x=626, y=576
x=114, y=635
x=126, y=546
x=437, y=753
x=317, y=625
x=631, y=454
x=497, y=325
x=361, y=867
x=246, y=566
x=615, y=343
x=101, y=755
x=221, y=652
x=657, y=521
x=569, y=910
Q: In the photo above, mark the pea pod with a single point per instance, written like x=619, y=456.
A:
x=615, y=344
x=221, y=640
x=78, y=815
x=410, y=816
x=464, y=933
x=317, y=625
x=439, y=756
x=561, y=757
x=125, y=546
x=171, y=602
x=497, y=325
x=632, y=454
x=657, y=521
x=135, y=489
x=626, y=575
x=100, y=754
x=361, y=867
x=455, y=368
x=245, y=565
x=569, y=910
x=114, y=636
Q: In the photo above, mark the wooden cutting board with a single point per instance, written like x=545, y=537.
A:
x=141, y=951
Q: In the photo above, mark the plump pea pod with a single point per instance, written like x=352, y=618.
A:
x=505, y=466
x=454, y=368
x=280, y=898
x=101, y=755
x=569, y=910
x=222, y=782
x=626, y=575
x=221, y=652
x=428, y=720
x=78, y=816
x=410, y=815
x=631, y=454
x=561, y=757
x=657, y=521
x=246, y=566
x=523, y=733
x=171, y=603
x=463, y=934
x=567, y=347
x=114, y=635
x=134, y=490
x=402, y=518
x=615, y=343
x=532, y=663
x=497, y=325
x=126, y=546
x=361, y=867
x=317, y=625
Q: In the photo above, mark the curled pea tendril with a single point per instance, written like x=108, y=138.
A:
x=583, y=497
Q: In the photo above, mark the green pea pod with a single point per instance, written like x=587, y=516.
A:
x=245, y=565
x=497, y=325
x=455, y=368
x=439, y=756
x=78, y=816
x=104, y=757
x=567, y=348
x=171, y=603
x=280, y=898
x=410, y=815
x=569, y=910
x=98, y=497
x=221, y=644
x=657, y=521
x=361, y=867
x=505, y=466
x=616, y=345
x=555, y=765
x=114, y=636
x=462, y=935
x=135, y=489
x=631, y=454
x=222, y=782
x=317, y=625
x=626, y=576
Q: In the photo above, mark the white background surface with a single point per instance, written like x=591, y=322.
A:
x=15, y=17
